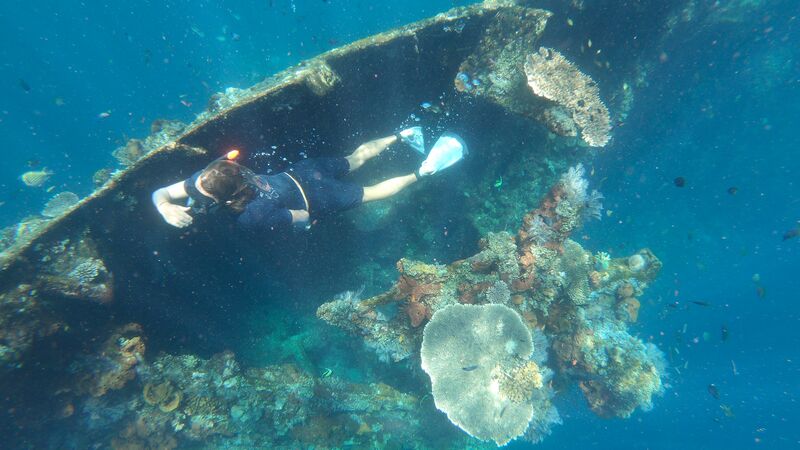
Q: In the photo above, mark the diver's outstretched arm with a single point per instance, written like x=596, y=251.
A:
x=368, y=150
x=388, y=188
x=174, y=214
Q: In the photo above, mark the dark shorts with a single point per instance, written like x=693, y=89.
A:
x=326, y=194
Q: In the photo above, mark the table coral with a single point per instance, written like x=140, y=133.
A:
x=552, y=76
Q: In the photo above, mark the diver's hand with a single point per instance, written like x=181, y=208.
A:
x=175, y=215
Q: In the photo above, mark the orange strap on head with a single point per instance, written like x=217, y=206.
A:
x=232, y=154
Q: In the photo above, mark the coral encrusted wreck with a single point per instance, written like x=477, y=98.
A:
x=482, y=315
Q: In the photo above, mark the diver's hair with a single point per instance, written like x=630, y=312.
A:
x=229, y=183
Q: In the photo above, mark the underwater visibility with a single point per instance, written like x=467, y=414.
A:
x=305, y=224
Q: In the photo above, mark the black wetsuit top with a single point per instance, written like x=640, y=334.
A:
x=279, y=193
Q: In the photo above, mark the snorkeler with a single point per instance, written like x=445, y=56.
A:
x=306, y=191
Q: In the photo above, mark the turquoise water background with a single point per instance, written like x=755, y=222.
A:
x=720, y=110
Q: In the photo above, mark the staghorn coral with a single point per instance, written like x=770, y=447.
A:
x=59, y=204
x=555, y=78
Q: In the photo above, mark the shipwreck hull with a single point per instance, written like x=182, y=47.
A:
x=325, y=106
x=110, y=260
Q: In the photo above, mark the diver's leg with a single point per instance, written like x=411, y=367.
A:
x=368, y=150
x=388, y=188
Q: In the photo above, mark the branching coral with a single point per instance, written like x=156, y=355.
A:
x=519, y=383
x=555, y=78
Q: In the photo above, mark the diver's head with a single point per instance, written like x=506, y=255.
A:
x=229, y=184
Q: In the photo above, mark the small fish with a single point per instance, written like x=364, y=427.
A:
x=24, y=85
x=723, y=333
x=570, y=22
x=713, y=391
x=499, y=183
x=104, y=115
x=727, y=410
x=327, y=373
x=36, y=178
x=733, y=190
x=701, y=303
x=791, y=233
x=425, y=105
x=196, y=30
x=680, y=182
x=58, y=101
x=469, y=368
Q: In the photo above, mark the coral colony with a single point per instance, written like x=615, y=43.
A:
x=538, y=283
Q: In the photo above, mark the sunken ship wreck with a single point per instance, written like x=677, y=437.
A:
x=117, y=331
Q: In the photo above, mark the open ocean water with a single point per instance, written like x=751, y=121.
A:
x=703, y=171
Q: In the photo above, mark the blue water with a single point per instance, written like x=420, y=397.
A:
x=720, y=110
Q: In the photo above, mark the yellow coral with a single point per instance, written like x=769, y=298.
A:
x=518, y=383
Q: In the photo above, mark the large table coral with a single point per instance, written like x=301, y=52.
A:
x=581, y=305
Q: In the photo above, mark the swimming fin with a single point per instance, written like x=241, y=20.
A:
x=414, y=138
x=448, y=150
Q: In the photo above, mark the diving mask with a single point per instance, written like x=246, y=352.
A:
x=205, y=204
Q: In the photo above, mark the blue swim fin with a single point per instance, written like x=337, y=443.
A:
x=414, y=138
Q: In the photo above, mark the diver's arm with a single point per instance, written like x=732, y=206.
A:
x=174, y=214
